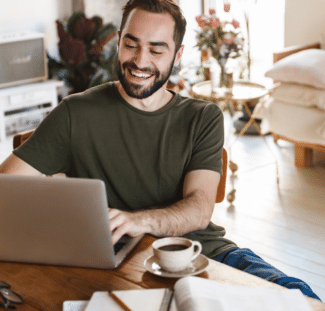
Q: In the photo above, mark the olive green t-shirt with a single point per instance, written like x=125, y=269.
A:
x=141, y=156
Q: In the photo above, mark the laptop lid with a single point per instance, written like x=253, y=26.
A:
x=57, y=221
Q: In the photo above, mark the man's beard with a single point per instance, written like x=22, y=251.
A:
x=137, y=90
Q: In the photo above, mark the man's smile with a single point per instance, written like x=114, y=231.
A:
x=140, y=74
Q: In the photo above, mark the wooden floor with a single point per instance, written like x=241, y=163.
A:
x=283, y=223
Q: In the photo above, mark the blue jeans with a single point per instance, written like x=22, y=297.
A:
x=244, y=259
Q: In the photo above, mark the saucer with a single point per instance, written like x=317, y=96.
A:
x=198, y=265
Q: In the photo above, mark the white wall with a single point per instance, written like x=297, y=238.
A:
x=109, y=10
x=304, y=21
x=34, y=15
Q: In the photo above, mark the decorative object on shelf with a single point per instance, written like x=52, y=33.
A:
x=220, y=39
x=85, y=58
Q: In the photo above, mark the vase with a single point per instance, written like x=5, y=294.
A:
x=221, y=79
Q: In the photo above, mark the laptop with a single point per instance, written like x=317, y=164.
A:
x=58, y=221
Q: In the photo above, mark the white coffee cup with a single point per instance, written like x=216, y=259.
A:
x=175, y=254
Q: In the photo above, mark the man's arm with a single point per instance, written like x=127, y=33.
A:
x=15, y=165
x=191, y=213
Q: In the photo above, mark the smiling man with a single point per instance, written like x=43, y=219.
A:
x=159, y=154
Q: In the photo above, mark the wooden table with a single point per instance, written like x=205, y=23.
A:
x=47, y=287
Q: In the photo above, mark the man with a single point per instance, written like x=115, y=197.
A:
x=158, y=153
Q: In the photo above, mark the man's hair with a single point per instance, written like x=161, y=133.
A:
x=159, y=6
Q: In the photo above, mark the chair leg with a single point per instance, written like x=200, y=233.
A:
x=275, y=137
x=303, y=156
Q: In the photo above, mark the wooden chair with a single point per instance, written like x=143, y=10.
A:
x=19, y=138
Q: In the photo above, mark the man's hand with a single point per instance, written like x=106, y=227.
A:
x=122, y=223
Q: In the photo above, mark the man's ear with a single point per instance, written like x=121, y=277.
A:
x=179, y=55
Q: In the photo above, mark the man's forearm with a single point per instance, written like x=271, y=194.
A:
x=189, y=214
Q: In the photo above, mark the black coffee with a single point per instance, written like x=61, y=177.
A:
x=173, y=247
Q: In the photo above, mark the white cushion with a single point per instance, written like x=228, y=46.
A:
x=305, y=67
x=301, y=95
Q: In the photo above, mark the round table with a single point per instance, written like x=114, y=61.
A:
x=242, y=92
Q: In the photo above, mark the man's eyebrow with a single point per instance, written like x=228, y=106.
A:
x=160, y=43
x=131, y=37
x=153, y=43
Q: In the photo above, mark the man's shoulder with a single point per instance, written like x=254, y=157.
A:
x=197, y=105
x=92, y=95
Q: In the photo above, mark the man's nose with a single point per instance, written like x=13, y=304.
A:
x=141, y=59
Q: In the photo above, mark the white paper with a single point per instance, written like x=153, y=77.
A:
x=136, y=300
x=75, y=305
x=196, y=294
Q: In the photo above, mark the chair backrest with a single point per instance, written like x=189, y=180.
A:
x=222, y=183
x=19, y=138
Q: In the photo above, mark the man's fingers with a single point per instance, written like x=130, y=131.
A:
x=112, y=212
x=118, y=233
x=117, y=221
x=123, y=223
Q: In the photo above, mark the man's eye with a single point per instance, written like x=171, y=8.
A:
x=130, y=46
x=156, y=52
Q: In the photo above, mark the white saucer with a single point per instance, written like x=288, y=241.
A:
x=198, y=265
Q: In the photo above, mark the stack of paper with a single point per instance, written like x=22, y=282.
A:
x=197, y=294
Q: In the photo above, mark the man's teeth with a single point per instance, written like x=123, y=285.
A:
x=140, y=74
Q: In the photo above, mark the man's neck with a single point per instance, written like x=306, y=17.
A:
x=154, y=102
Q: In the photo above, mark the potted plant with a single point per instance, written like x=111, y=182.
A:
x=85, y=58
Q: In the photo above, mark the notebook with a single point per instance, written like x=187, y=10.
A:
x=57, y=221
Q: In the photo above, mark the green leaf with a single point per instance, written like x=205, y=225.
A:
x=99, y=23
x=73, y=19
x=98, y=20
x=105, y=31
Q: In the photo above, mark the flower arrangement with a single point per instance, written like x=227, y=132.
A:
x=84, y=62
x=223, y=39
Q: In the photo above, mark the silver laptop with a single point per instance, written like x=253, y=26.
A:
x=57, y=221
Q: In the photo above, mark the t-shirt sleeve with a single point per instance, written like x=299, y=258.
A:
x=208, y=142
x=48, y=149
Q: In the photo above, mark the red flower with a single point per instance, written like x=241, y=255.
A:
x=226, y=7
x=201, y=24
x=235, y=23
x=212, y=11
x=199, y=18
x=214, y=22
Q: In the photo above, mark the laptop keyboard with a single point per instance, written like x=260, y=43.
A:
x=121, y=243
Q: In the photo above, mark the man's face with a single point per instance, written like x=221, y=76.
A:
x=146, y=53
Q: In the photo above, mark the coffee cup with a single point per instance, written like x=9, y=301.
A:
x=175, y=254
